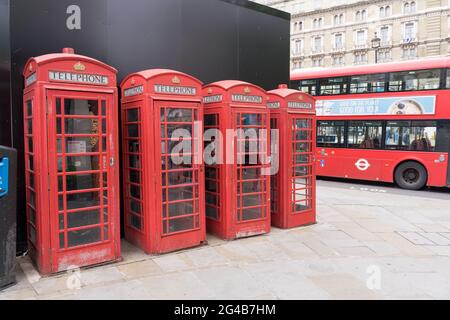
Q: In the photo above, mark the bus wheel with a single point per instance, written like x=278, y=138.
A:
x=411, y=176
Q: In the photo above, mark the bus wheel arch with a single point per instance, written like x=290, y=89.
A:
x=411, y=175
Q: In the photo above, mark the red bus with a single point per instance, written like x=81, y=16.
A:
x=386, y=122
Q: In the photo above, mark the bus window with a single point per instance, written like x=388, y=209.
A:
x=308, y=86
x=447, y=80
x=365, y=134
x=415, y=80
x=330, y=133
x=333, y=86
x=372, y=83
x=411, y=135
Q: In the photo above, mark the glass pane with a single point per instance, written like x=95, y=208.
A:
x=180, y=209
x=252, y=200
x=82, y=145
x=134, y=161
x=30, y=108
x=212, y=212
x=330, y=134
x=83, y=200
x=135, y=176
x=301, y=171
x=30, y=145
x=211, y=199
x=178, y=115
x=135, y=191
x=251, y=119
x=84, y=218
x=133, y=130
x=82, y=237
x=181, y=224
x=30, y=126
x=250, y=187
x=82, y=181
x=135, y=206
x=211, y=120
x=81, y=107
x=252, y=213
x=133, y=146
x=133, y=115
x=180, y=177
x=81, y=126
x=182, y=130
x=250, y=173
x=135, y=221
x=301, y=206
x=82, y=163
x=179, y=193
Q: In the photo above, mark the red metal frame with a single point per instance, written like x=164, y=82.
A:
x=155, y=102
x=340, y=162
x=238, y=196
x=293, y=201
x=73, y=208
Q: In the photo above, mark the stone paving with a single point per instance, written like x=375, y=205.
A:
x=371, y=242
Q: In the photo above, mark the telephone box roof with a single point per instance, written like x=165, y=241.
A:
x=229, y=84
x=53, y=57
x=152, y=73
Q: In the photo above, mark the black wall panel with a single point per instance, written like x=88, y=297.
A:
x=210, y=39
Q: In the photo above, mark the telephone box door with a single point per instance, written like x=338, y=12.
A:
x=302, y=171
x=181, y=192
x=252, y=185
x=82, y=178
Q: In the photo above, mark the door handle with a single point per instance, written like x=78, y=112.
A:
x=112, y=162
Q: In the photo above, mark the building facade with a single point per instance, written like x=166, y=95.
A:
x=340, y=33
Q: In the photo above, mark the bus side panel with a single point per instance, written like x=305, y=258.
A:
x=430, y=160
x=377, y=165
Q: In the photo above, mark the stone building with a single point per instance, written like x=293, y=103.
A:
x=340, y=33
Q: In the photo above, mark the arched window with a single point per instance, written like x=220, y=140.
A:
x=300, y=25
x=341, y=18
x=364, y=15
x=320, y=22
x=358, y=16
x=382, y=12
x=388, y=11
x=406, y=8
x=413, y=6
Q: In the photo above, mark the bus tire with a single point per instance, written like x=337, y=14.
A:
x=411, y=176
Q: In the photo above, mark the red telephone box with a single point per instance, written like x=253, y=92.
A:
x=293, y=199
x=237, y=191
x=71, y=153
x=163, y=186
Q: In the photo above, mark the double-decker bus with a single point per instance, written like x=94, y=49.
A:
x=386, y=122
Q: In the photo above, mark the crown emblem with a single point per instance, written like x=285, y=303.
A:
x=176, y=80
x=209, y=90
x=79, y=66
x=247, y=90
x=300, y=98
x=133, y=82
x=30, y=67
